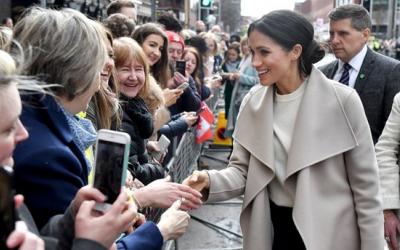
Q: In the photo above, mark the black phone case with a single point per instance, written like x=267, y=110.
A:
x=181, y=67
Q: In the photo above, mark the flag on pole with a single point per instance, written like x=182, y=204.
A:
x=203, y=128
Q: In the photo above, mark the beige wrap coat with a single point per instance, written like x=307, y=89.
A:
x=337, y=204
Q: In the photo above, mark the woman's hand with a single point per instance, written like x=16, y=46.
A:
x=22, y=239
x=171, y=96
x=86, y=193
x=173, y=222
x=392, y=227
x=190, y=118
x=179, y=79
x=105, y=228
x=163, y=193
x=199, y=180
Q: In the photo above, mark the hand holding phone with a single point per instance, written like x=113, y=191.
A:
x=183, y=86
x=180, y=66
x=215, y=78
x=111, y=162
x=163, y=143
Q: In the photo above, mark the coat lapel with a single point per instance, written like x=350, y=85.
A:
x=59, y=124
x=330, y=73
x=365, y=69
x=254, y=129
x=254, y=132
x=319, y=135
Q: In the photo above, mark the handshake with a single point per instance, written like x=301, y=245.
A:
x=199, y=181
x=174, y=221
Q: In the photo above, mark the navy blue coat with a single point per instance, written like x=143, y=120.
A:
x=49, y=167
x=175, y=127
x=190, y=100
x=145, y=237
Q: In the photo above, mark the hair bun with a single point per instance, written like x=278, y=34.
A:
x=314, y=53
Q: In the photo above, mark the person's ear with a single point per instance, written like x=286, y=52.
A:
x=295, y=53
x=366, y=34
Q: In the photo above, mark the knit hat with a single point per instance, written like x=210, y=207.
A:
x=174, y=37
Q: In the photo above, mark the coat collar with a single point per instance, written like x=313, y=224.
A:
x=322, y=129
x=365, y=70
x=331, y=69
x=48, y=105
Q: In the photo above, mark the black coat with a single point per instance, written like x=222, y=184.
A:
x=189, y=101
x=138, y=123
x=377, y=83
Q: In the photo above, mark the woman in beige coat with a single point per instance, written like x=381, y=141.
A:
x=303, y=155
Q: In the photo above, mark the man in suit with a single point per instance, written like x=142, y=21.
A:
x=375, y=77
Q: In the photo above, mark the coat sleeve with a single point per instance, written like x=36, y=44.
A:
x=231, y=181
x=249, y=77
x=146, y=172
x=205, y=92
x=190, y=99
x=47, y=172
x=147, y=236
x=174, y=128
x=392, y=87
x=362, y=173
x=387, y=152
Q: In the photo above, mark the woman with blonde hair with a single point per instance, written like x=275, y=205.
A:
x=103, y=108
x=193, y=69
x=50, y=166
x=78, y=227
x=133, y=77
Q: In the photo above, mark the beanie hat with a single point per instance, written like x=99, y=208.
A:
x=175, y=38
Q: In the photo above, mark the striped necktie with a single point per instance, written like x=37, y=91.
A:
x=345, y=75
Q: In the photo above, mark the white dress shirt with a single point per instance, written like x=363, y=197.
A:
x=355, y=63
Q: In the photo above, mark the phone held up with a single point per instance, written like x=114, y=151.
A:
x=8, y=214
x=111, y=163
x=163, y=143
x=180, y=67
x=183, y=86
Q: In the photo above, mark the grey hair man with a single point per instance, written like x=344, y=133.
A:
x=375, y=77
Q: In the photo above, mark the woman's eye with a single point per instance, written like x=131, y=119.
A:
x=264, y=52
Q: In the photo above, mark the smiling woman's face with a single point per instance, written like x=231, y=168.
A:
x=131, y=76
x=11, y=129
x=271, y=60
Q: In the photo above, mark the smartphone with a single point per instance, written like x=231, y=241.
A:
x=111, y=162
x=163, y=143
x=180, y=67
x=8, y=215
x=183, y=86
x=216, y=77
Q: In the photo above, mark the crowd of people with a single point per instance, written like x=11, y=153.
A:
x=303, y=153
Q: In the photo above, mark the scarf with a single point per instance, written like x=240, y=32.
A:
x=83, y=133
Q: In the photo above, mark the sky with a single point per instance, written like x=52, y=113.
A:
x=257, y=8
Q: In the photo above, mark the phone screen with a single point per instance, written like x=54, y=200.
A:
x=7, y=207
x=181, y=67
x=108, y=169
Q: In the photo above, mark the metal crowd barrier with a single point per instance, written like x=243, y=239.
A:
x=184, y=158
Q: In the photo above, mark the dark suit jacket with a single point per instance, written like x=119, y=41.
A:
x=49, y=167
x=377, y=83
